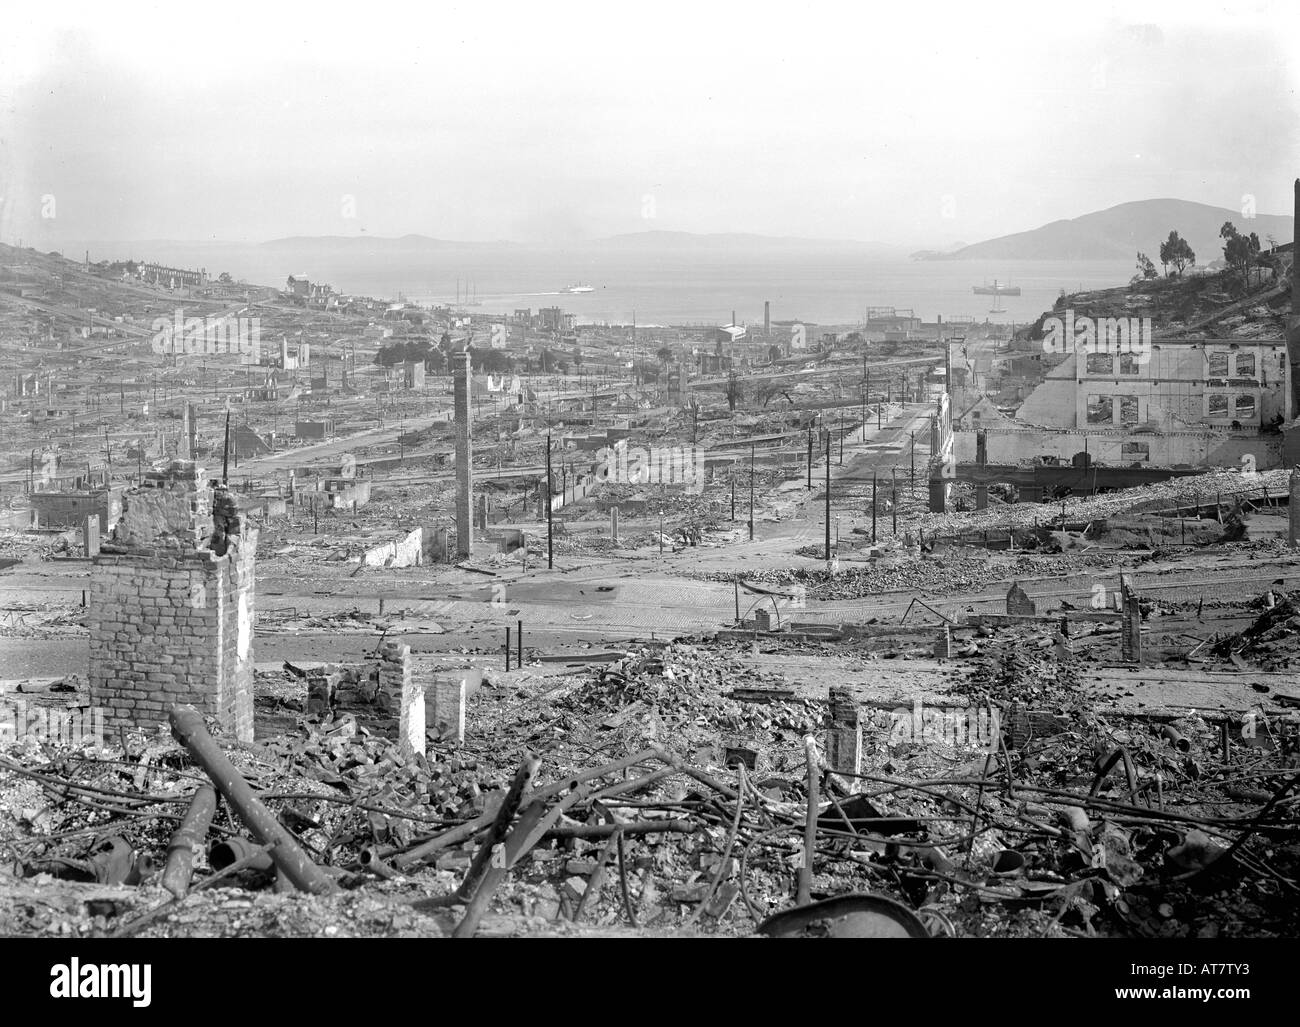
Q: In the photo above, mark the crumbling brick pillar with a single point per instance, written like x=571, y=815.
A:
x=844, y=737
x=172, y=606
x=399, y=698
x=464, y=461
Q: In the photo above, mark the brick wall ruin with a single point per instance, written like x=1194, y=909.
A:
x=171, y=606
x=379, y=693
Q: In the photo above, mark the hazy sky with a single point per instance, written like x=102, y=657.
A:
x=924, y=124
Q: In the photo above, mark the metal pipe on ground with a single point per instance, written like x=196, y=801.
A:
x=1175, y=737
x=288, y=855
x=189, y=835
x=240, y=850
x=804, y=888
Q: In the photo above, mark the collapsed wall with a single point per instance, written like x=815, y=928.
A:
x=171, y=606
x=380, y=694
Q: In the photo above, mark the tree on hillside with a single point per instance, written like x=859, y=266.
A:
x=663, y=354
x=1175, y=251
x=734, y=391
x=766, y=389
x=1146, y=268
x=1240, y=251
x=492, y=361
x=390, y=356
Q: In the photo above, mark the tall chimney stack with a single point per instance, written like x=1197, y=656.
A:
x=767, y=317
x=1293, y=326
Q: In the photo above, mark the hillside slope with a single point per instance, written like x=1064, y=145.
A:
x=1119, y=232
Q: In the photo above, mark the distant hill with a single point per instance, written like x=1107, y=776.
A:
x=656, y=241
x=1117, y=233
x=663, y=240
x=352, y=243
x=937, y=253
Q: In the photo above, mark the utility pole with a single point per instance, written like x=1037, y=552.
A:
x=751, y=492
x=893, y=478
x=225, y=455
x=873, y=508
x=810, y=457
x=828, y=494
x=912, y=484
x=733, y=494
x=550, y=551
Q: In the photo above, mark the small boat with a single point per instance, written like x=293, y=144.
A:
x=996, y=290
x=579, y=287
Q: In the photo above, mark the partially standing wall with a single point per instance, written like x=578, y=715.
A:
x=172, y=606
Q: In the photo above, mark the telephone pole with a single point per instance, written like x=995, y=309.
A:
x=550, y=551
x=893, y=478
x=828, y=494
x=751, y=492
x=912, y=484
x=225, y=456
x=810, y=452
x=873, y=508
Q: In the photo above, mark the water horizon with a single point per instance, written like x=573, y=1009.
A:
x=827, y=287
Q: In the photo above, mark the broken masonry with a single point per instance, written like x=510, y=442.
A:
x=172, y=605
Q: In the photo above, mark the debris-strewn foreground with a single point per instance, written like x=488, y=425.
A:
x=668, y=792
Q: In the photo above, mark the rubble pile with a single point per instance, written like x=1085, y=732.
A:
x=1274, y=637
x=669, y=790
x=937, y=574
x=1203, y=488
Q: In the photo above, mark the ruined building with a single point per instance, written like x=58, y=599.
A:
x=171, y=605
